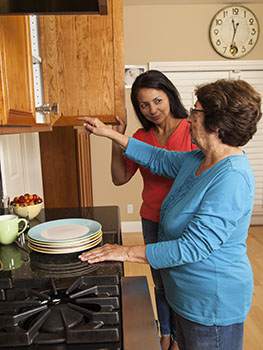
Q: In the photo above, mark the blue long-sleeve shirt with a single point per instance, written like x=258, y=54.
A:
x=202, y=234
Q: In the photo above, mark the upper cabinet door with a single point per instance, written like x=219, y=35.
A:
x=83, y=65
x=17, y=106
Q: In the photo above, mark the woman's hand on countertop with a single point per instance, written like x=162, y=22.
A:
x=115, y=252
x=107, y=252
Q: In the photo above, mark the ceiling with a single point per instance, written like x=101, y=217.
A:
x=192, y=2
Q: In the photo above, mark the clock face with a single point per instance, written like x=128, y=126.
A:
x=234, y=31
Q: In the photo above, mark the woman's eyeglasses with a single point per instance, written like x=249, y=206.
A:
x=193, y=110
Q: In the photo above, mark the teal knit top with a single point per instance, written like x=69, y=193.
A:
x=203, y=228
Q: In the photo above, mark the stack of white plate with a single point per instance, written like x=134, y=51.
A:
x=64, y=236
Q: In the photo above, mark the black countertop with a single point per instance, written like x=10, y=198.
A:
x=21, y=262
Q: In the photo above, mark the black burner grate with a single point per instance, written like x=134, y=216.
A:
x=43, y=311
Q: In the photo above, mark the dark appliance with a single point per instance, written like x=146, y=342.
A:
x=44, y=7
x=57, y=302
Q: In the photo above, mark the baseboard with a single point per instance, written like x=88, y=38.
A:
x=131, y=226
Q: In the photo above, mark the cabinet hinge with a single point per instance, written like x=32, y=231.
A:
x=46, y=109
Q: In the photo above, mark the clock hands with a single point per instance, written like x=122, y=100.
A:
x=233, y=46
x=234, y=31
x=235, y=25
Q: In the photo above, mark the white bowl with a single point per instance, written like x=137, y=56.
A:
x=30, y=211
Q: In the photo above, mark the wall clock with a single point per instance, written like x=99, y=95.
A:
x=234, y=31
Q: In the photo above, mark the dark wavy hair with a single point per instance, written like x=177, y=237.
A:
x=231, y=106
x=153, y=79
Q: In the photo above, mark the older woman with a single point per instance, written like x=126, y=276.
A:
x=204, y=219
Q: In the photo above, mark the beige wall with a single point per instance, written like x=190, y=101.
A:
x=152, y=34
x=175, y=33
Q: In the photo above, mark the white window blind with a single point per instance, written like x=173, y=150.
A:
x=186, y=75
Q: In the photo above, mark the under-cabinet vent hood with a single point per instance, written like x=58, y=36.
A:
x=53, y=7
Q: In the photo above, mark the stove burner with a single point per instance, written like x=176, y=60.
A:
x=86, y=312
x=61, y=315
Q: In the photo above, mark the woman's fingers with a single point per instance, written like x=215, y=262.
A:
x=94, y=126
x=105, y=253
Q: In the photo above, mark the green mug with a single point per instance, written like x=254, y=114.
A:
x=9, y=228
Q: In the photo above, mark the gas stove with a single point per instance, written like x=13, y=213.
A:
x=57, y=302
x=42, y=312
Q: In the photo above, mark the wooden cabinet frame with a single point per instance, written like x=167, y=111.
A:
x=66, y=167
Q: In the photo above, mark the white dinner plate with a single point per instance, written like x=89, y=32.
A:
x=64, y=230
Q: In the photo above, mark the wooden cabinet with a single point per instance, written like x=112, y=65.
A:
x=83, y=72
x=17, y=103
x=83, y=65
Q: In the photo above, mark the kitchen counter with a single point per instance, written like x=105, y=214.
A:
x=25, y=263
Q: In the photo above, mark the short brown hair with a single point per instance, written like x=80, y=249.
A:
x=233, y=107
